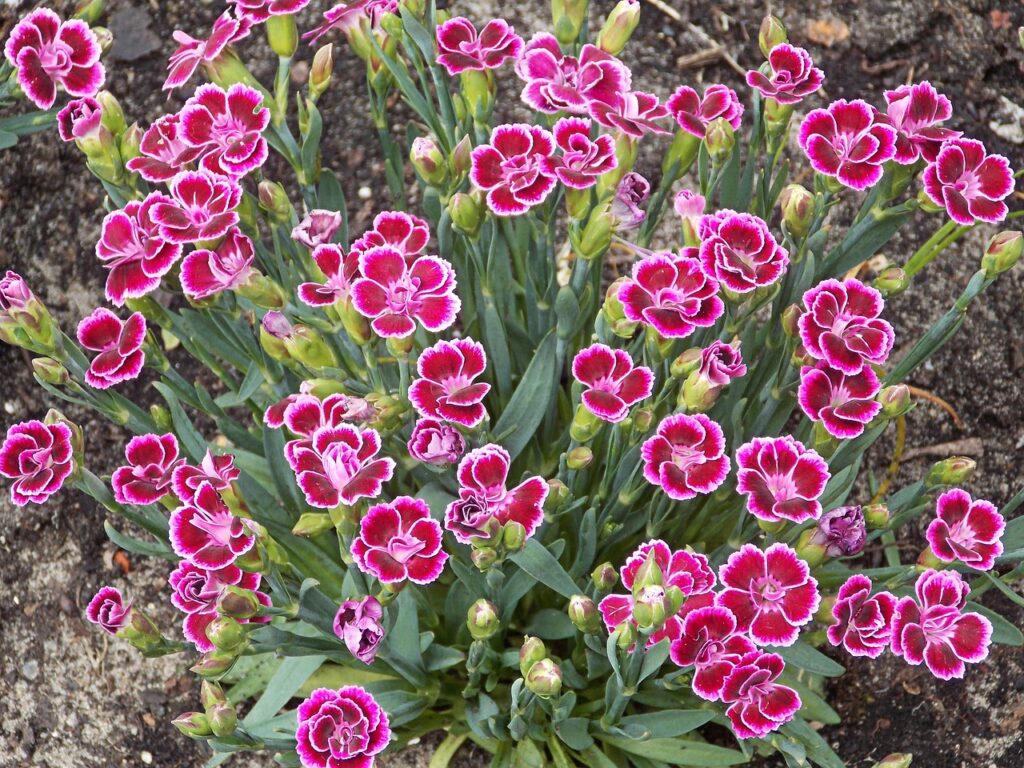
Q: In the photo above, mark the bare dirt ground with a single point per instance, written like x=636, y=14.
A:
x=68, y=699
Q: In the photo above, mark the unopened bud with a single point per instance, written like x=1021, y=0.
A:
x=482, y=619
x=568, y=17
x=467, y=213
x=604, y=577
x=283, y=35
x=193, y=724
x=771, y=34
x=312, y=524
x=225, y=633
x=239, y=603
x=483, y=558
x=211, y=694
x=309, y=348
x=797, y=206
x=88, y=10
x=625, y=635
x=112, y=113
x=222, y=717
x=322, y=71
x=955, y=470
x=895, y=400
x=274, y=200
x=642, y=419
x=619, y=27
x=426, y=157
x=213, y=664
x=162, y=417
x=462, y=157
x=1003, y=252
x=791, y=320
x=544, y=679
x=532, y=651
x=130, y=145
x=50, y=371
x=580, y=457
x=597, y=235
x=558, y=494
x=897, y=759
x=583, y=614
x=648, y=574
x=686, y=363
x=513, y=536
x=105, y=38
x=891, y=281
x=719, y=139
x=876, y=515
x=585, y=424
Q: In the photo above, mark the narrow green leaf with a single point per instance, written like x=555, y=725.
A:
x=575, y=732
x=801, y=655
x=193, y=442
x=446, y=750
x=529, y=402
x=539, y=563
x=287, y=680
x=669, y=723
x=138, y=546
x=1003, y=632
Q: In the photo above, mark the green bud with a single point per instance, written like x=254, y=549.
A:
x=876, y=515
x=642, y=419
x=797, y=206
x=619, y=27
x=544, y=679
x=483, y=558
x=312, y=524
x=597, y=235
x=262, y=291
x=681, y=154
x=131, y=142
x=583, y=614
x=891, y=281
x=1003, y=252
x=225, y=633
x=585, y=425
x=309, y=348
x=648, y=574
x=568, y=17
x=558, y=494
x=211, y=694
x=697, y=394
x=162, y=417
x=239, y=603
x=322, y=71
x=809, y=551
x=105, y=38
x=719, y=139
x=612, y=308
x=625, y=635
x=952, y=471
x=112, y=114
x=283, y=35
x=88, y=10
x=467, y=213
x=898, y=759
x=895, y=400
x=478, y=91
x=686, y=363
x=580, y=457
x=513, y=536
x=426, y=157
x=604, y=577
x=532, y=651
x=771, y=34
x=142, y=632
x=791, y=320
x=461, y=158
x=274, y=200
x=193, y=724
x=482, y=619
x=50, y=371
x=650, y=608
x=213, y=664
x=222, y=717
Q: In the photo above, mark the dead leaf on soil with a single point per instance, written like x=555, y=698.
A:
x=1000, y=19
x=827, y=31
x=122, y=561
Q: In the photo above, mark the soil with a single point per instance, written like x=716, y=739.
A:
x=68, y=698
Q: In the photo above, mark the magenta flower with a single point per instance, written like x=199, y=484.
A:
x=863, y=621
x=401, y=231
x=512, y=169
x=915, y=111
x=842, y=403
x=583, y=159
x=556, y=82
x=842, y=326
x=399, y=541
x=781, y=479
x=739, y=251
x=848, y=142
x=80, y=119
x=165, y=153
x=720, y=363
x=47, y=52
x=258, y=11
x=460, y=47
x=227, y=128
x=446, y=387
x=318, y=228
x=969, y=182
x=358, y=624
x=38, y=457
x=133, y=250
x=693, y=112
x=758, y=704
x=304, y=413
x=227, y=29
x=936, y=630
x=686, y=457
x=197, y=592
x=437, y=443
x=841, y=531
x=350, y=15
x=394, y=295
x=217, y=471
x=484, y=496
x=710, y=643
x=109, y=611
x=671, y=294
x=201, y=206
x=612, y=383
x=147, y=477
x=119, y=345
x=771, y=593
x=633, y=192
x=338, y=466
x=792, y=75
x=341, y=729
x=206, y=533
x=633, y=113
x=340, y=271
x=966, y=530
x=689, y=571
x=207, y=273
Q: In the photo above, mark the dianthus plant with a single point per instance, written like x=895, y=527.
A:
x=548, y=457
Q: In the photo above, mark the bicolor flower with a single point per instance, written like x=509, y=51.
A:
x=841, y=531
x=206, y=533
x=693, y=112
x=966, y=530
x=556, y=82
x=399, y=541
x=345, y=728
x=437, y=443
x=739, y=251
x=633, y=113
x=38, y=457
x=165, y=153
x=350, y=16
x=197, y=591
x=109, y=611
x=969, y=182
x=791, y=75
x=934, y=628
x=720, y=363
x=460, y=47
x=915, y=111
x=147, y=477
x=612, y=382
x=842, y=403
x=81, y=120
x=201, y=206
x=758, y=704
x=781, y=478
x=227, y=128
x=582, y=159
x=46, y=52
x=848, y=142
x=119, y=344
x=339, y=466
x=305, y=413
x=863, y=621
x=404, y=232
x=206, y=273
x=358, y=624
x=626, y=209
x=711, y=644
x=686, y=457
x=228, y=29
x=447, y=387
x=258, y=11
x=340, y=271
x=512, y=169
x=217, y=471
x=394, y=295
x=842, y=325
x=671, y=294
x=317, y=228
x=484, y=496
x=133, y=250
x=771, y=593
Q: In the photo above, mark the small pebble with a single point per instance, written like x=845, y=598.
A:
x=365, y=193
x=146, y=757
x=30, y=670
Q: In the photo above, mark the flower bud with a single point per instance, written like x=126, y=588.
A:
x=719, y=139
x=482, y=619
x=225, y=633
x=583, y=614
x=840, y=532
x=604, y=577
x=642, y=419
x=895, y=400
x=483, y=558
x=544, y=679
x=619, y=27
x=211, y=694
x=697, y=394
x=142, y=632
x=876, y=515
x=579, y=458
x=790, y=320
x=625, y=635
x=568, y=17
x=1003, y=252
x=462, y=157
x=650, y=607
x=897, y=759
x=24, y=320
x=50, y=371
x=771, y=34
x=213, y=664
x=312, y=524
x=478, y=92
x=585, y=424
x=222, y=717
x=130, y=145
x=532, y=651
x=274, y=200
x=513, y=536
x=262, y=291
x=891, y=281
x=690, y=208
x=239, y=603
x=467, y=213
x=283, y=35
x=309, y=348
x=558, y=494
x=427, y=159
x=688, y=362
x=322, y=71
x=105, y=38
x=648, y=574
x=193, y=724
x=88, y=10
x=797, y=206
x=597, y=234
x=955, y=470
